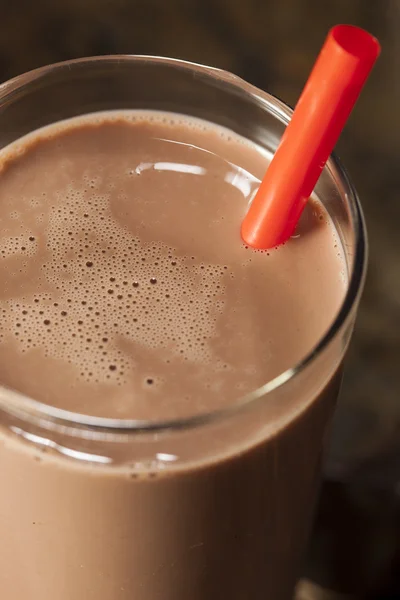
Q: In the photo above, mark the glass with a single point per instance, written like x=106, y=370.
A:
x=238, y=485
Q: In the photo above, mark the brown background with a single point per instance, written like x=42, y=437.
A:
x=273, y=43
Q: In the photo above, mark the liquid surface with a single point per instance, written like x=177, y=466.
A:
x=126, y=290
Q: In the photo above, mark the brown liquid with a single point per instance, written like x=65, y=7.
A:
x=127, y=293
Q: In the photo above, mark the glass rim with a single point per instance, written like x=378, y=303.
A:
x=15, y=402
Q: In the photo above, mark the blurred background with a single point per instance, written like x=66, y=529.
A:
x=355, y=549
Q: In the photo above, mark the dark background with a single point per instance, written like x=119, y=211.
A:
x=272, y=44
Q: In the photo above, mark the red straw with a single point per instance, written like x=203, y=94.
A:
x=331, y=91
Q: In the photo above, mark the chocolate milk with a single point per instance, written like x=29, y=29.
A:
x=128, y=294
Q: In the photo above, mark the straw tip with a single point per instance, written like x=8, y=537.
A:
x=356, y=41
